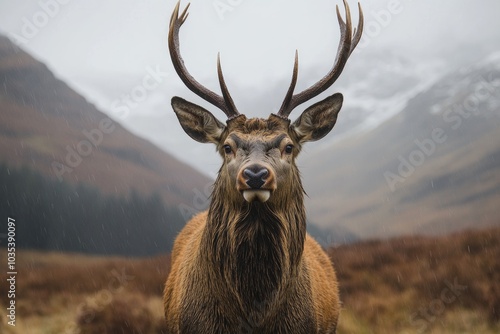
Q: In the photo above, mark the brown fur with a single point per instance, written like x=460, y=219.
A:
x=251, y=267
x=247, y=265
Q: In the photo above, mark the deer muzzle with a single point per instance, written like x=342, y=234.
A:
x=256, y=182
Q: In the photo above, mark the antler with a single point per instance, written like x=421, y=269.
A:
x=347, y=43
x=224, y=102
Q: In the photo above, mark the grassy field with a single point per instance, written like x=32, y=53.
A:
x=405, y=285
x=421, y=285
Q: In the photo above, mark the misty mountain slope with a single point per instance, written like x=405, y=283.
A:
x=433, y=168
x=47, y=126
x=42, y=120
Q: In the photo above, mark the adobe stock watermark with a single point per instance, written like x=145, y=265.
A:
x=32, y=25
x=376, y=21
x=223, y=7
x=85, y=147
x=454, y=116
x=87, y=309
x=326, y=242
x=428, y=315
x=121, y=107
x=201, y=201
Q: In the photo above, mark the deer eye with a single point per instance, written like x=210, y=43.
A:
x=289, y=149
x=228, y=149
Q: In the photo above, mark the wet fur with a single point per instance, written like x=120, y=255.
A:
x=251, y=268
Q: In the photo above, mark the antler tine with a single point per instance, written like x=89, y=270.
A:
x=225, y=91
x=225, y=102
x=289, y=93
x=359, y=30
x=347, y=44
x=185, y=13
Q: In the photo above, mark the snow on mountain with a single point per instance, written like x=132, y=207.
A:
x=378, y=86
x=432, y=168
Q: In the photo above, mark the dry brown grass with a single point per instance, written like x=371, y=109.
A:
x=392, y=286
x=123, y=313
x=404, y=284
x=48, y=273
x=62, y=287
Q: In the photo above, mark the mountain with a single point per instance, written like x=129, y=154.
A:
x=377, y=84
x=79, y=181
x=47, y=126
x=73, y=180
x=433, y=168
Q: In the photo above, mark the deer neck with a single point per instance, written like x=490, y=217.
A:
x=255, y=248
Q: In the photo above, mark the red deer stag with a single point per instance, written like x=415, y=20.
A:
x=247, y=265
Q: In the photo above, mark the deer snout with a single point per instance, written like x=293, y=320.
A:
x=255, y=176
x=256, y=182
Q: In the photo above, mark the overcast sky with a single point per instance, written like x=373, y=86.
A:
x=106, y=48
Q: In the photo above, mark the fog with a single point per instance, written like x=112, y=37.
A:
x=106, y=49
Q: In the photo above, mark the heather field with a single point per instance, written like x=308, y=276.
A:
x=405, y=285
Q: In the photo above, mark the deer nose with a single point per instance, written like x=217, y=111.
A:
x=255, y=176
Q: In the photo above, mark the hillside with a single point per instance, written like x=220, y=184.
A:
x=434, y=168
x=77, y=181
x=47, y=126
x=405, y=285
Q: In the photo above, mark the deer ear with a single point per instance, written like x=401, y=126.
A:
x=318, y=120
x=197, y=122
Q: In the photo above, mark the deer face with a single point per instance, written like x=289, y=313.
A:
x=258, y=154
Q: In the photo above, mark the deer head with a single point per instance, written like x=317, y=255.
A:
x=259, y=154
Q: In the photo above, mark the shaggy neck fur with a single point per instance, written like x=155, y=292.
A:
x=255, y=249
